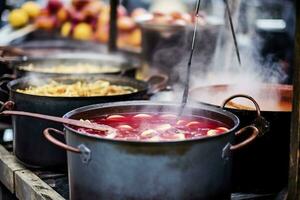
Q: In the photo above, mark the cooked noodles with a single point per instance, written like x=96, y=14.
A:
x=78, y=89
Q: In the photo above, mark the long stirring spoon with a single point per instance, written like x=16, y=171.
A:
x=187, y=83
x=73, y=122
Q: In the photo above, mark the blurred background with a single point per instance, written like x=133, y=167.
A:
x=265, y=30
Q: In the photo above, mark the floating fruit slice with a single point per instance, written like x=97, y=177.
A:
x=222, y=129
x=195, y=125
x=115, y=117
x=168, y=117
x=163, y=127
x=172, y=136
x=155, y=138
x=148, y=133
x=212, y=132
x=124, y=127
x=181, y=122
x=111, y=136
x=142, y=117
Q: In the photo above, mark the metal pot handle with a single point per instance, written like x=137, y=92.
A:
x=259, y=126
x=58, y=143
x=158, y=82
x=243, y=96
x=260, y=123
x=8, y=105
x=3, y=82
x=251, y=138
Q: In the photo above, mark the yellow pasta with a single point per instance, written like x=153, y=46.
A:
x=78, y=89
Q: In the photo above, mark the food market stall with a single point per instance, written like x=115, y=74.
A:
x=122, y=139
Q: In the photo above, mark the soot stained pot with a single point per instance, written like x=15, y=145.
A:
x=113, y=169
x=256, y=166
x=118, y=64
x=30, y=147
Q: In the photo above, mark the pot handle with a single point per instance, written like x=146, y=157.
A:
x=4, y=79
x=251, y=138
x=158, y=82
x=260, y=123
x=58, y=143
x=8, y=105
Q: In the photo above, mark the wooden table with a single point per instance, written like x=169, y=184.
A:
x=20, y=182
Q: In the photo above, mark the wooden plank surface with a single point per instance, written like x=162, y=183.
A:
x=30, y=187
x=8, y=167
x=21, y=181
x=294, y=182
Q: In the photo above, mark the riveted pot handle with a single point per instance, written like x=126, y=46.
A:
x=158, y=82
x=260, y=123
x=58, y=143
x=243, y=96
x=251, y=138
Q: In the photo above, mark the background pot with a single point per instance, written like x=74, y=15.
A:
x=189, y=169
x=256, y=166
x=29, y=145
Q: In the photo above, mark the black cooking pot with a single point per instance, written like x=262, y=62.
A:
x=256, y=166
x=29, y=145
x=120, y=66
x=116, y=169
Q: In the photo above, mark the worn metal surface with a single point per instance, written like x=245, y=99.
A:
x=141, y=170
x=30, y=187
x=294, y=182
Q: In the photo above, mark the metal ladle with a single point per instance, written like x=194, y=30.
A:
x=73, y=122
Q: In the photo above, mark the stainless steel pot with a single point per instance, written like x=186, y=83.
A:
x=112, y=169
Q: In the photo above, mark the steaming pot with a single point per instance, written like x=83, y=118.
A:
x=30, y=147
x=255, y=166
x=118, y=169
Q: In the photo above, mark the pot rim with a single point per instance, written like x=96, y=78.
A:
x=232, y=116
x=26, y=79
x=263, y=86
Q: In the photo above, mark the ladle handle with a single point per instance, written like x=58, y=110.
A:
x=41, y=116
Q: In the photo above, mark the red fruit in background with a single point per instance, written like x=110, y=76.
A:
x=79, y=4
x=121, y=11
x=62, y=14
x=125, y=23
x=46, y=22
x=92, y=9
x=102, y=34
x=44, y=12
x=76, y=16
x=54, y=5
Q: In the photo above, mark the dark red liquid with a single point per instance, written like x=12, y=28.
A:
x=156, y=127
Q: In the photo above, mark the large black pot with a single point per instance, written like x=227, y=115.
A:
x=114, y=169
x=29, y=145
x=263, y=165
x=121, y=66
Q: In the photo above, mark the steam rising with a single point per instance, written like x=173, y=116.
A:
x=215, y=62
